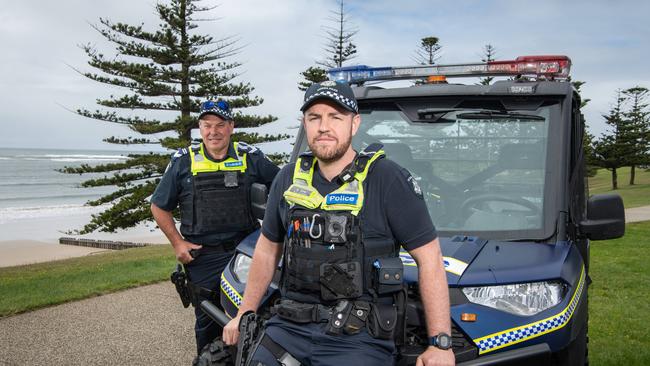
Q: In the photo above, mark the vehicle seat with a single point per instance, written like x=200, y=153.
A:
x=402, y=155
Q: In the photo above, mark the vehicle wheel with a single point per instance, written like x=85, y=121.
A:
x=215, y=354
x=577, y=352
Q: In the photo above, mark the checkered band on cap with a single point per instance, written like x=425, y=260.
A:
x=332, y=94
x=338, y=92
x=218, y=111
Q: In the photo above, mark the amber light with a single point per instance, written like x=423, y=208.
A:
x=436, y=79
x=468, y=317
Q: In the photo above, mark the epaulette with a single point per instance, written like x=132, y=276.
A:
x=243, y=147
x=306, y=160
x=180, y=152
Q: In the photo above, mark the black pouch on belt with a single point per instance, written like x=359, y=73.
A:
x=295, y=311
x=357, y=318
x=388, y=274
x=339, y=318
x=382, y=320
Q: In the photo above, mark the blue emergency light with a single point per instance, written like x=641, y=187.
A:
x=542, y=67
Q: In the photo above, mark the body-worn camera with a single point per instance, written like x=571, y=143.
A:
x=335, y=228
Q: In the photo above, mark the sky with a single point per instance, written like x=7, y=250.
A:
x=608, y=42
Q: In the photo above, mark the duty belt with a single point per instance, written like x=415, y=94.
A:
x=224, y=246
x=219, y=247
x=299, y=312
x=345, y=317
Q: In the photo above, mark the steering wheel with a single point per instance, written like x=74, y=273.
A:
x=473, y=201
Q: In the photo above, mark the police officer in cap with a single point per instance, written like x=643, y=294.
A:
x=339, y=217
x=210, y=183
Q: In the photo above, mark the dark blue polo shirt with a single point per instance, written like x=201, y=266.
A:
x=391, y=199
x=177, y=183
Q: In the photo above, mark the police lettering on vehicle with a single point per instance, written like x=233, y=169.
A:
x=333, y=198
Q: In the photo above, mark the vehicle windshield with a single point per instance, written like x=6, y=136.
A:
x=481, y=173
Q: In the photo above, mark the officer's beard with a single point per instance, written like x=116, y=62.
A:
x=328, y=155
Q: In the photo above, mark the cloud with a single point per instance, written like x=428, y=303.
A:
x=606, y=41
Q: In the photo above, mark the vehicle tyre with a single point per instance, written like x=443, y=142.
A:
x=577, y=352
x=215, y=354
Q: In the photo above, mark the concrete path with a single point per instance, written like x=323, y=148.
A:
x=142, y=326
x=637, y=214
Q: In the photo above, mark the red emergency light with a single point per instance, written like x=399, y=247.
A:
x=541, y=67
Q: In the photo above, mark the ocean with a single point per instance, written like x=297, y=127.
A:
x=31, y=186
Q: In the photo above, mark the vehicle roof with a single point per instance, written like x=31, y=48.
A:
x=499, y=88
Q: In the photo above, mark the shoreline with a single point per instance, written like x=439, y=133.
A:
x=21, y=252
x=28, y=240
x=25, y=251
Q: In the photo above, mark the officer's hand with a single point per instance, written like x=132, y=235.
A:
x=182, y=249
x=436, y=356
x=231, y=331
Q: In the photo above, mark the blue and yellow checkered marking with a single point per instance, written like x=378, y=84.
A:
x=231, y=293
x=527, y=332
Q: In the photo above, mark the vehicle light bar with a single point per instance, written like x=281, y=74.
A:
x=546, y=67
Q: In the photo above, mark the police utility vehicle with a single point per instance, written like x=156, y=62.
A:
x=502, y=171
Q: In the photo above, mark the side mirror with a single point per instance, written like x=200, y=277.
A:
x=605, y=217
x=259, y=194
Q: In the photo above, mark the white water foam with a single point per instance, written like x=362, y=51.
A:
x=69, y=158
x=85, y=156
x=10, y=214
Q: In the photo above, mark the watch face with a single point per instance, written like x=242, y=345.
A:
x=444, y=341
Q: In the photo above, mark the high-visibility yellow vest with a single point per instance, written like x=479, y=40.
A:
x=348, y=197
x=201, y=163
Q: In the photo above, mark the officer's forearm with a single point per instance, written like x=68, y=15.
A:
x=433, y=287
x=165, y=221
x=265, y=261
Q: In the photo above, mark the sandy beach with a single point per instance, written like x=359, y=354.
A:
x=26, y=240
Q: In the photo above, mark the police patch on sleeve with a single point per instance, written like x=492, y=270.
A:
x=179, y=153
x=416, y=187
x=244, y=147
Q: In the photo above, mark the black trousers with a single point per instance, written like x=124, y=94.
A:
x=205, y=271
x=309, y=344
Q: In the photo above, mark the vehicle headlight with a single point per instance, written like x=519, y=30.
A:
x=523, y=299
x=241, y=266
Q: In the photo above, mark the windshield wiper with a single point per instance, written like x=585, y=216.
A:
x=490, y=114
x=433, y=115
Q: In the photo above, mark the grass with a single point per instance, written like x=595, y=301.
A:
x=618, y=301
x=34, y=286
x=619, y=308
x=633, y=196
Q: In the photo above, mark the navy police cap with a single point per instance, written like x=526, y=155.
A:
x=219, y=108
x=338, y=92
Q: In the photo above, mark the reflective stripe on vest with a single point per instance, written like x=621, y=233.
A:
x=201, y=163
x=348, y=197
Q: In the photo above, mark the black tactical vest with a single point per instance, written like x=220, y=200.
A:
x=220, y=199
x=327, y=257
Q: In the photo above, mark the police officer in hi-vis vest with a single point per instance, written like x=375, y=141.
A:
x=338, y=218
x=210, y=183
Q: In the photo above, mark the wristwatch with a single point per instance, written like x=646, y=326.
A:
x=442, y=341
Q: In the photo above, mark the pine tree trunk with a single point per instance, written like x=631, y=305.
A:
x=632, y=174
x=185, y=84
x=614, y=179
